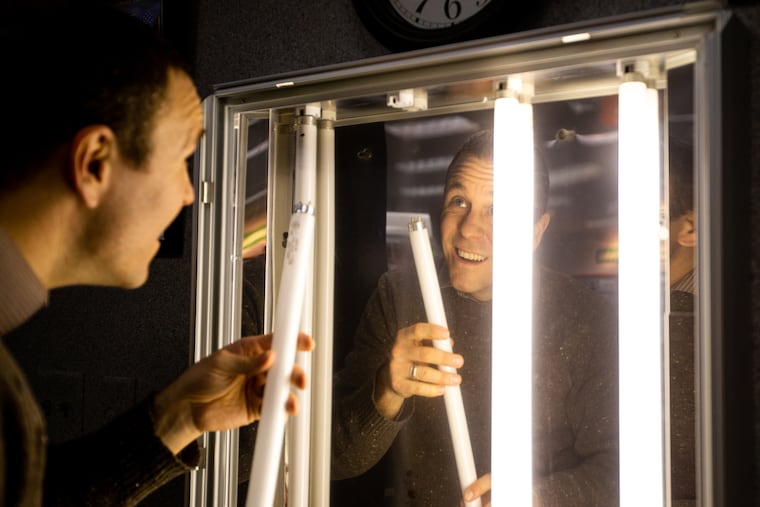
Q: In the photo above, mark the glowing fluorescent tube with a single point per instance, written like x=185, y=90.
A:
x=640, y=289
x=269, y=438
x=431, y=296
x=511, y=416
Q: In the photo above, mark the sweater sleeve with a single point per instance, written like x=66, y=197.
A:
x=361, y=435
x=120, y=464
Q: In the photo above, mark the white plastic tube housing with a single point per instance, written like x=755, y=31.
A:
x=269, y=438
x=321, y=379
x=511, y=402
x=298, y=436
x=640, y=311
x=431, y=296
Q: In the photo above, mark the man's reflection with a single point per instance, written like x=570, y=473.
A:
x=683, y=240
x=388, y=396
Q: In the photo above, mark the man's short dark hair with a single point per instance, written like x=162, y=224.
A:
x=480, y=145
x=68, y=67
x=681, y=177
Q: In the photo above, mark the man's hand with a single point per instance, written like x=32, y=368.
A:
x=413, y=368
x=481, y=488
x=222, y=391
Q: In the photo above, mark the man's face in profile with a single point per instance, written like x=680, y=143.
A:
x=143, y=201
x=467, y=227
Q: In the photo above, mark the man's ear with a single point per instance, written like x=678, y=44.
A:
x=539, y=228
x=92, y=153
x=687, y=230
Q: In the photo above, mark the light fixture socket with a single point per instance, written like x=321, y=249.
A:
x=514, y=87
x=646, y=70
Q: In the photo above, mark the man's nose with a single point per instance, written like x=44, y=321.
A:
x=472, y=224
x=189, y=191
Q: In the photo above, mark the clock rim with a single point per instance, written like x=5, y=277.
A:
x=458, y=22
x=394, y=32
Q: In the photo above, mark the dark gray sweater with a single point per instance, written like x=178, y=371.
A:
x=575, y=421
x=682, y=400
x=117, y=465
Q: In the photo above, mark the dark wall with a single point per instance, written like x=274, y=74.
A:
x=96, y=351
x=239, y=40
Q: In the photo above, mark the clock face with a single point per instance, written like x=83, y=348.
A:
x=437, y=14
x=402, y=25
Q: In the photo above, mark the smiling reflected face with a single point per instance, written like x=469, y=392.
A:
x=467, y=227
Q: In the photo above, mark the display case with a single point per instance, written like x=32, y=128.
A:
x=367, y=145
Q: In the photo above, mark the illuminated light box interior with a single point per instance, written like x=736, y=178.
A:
x=382, y=134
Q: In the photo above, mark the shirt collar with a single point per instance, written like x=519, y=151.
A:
x=21, y=293
x=687, y=283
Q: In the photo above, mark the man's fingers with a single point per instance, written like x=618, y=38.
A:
x=432, y=375
x=291, y=405
x=230, y=362
x=406, y=352
x=426, y=390
x=432, y=355
x=298, y=377
x=254, y=345
x=477, y=489
x=251, y=345
x=427, y=381
x=427, y=331
x=305, y=342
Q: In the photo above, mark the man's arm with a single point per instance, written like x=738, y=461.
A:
x=361, y=434
x=120, y=464
x=154, y=442
x=372, y=388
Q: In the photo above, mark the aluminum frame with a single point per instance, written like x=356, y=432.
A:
x=218, y=218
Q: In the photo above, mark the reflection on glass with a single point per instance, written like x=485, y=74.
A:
x=253, y=253
x=683, y=285
x=388, y=171
x=255, y=225
x=405, y=454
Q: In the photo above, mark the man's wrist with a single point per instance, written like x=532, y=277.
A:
x=387, y=400
x=172, y=422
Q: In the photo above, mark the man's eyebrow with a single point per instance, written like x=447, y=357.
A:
x=454, y=184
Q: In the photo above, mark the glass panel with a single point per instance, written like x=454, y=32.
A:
x=390, y=171
x=576, y=142
x=683, y=284
x=393, y=149
x=253, y=294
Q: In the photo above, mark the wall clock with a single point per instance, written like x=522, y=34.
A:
x=402, y=25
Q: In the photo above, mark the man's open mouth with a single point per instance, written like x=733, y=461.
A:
x=470, y=256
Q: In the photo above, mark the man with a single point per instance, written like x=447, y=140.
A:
x=388, y=396
x=94, y=169
x=683, y=241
